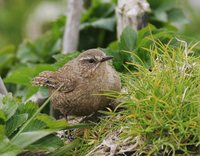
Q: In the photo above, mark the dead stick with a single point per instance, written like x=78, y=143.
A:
x=3, y=89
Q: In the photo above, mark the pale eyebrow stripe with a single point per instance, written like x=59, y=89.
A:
x=86, y=58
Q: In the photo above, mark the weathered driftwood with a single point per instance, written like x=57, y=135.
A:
x=37, y=98
x=71, y=34
x=131, y=13
x=3, y=89
x=113, y=145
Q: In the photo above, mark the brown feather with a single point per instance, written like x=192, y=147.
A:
x=82, y=80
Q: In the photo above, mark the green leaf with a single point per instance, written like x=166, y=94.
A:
x=29, y=108
x=176, y=15
x=65, y=149
x=128, y=39
x=97, y=10
x=161, y=8
x=2, y=117
x=7, y=148
x=15, y=122
x=64, y=58
x=117, y=60
x=8, y=105
x=102, y=23
x=50, y=143
x=24, y=75
x=27, y=52
x=7, y=56
x=161, y=4
x=2, y=131
x=29, y=91
x=105, y=23
x=51, y=122
x=25, y=139
x=35, y=125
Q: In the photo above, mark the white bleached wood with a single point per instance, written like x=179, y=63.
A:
x=130, y=13
x=71, y=34
x=3, y=89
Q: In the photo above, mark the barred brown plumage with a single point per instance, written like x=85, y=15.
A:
x=83, y=78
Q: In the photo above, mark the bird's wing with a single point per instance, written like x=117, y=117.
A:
x=66, y=78
x=55, y=80
x=68, y=83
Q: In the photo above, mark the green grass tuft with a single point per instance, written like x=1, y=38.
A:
x=162, y=104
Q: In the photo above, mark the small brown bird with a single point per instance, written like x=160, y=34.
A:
x=83, y=79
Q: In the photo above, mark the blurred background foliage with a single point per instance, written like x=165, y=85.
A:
x=31, y=35
x=15, y=14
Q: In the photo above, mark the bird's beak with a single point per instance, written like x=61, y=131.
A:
x=106, y=58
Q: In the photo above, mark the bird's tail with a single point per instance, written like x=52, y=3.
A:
x=45, y=78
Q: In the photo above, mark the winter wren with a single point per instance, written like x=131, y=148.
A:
x=83, y=80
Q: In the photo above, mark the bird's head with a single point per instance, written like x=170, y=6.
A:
x=92, y=60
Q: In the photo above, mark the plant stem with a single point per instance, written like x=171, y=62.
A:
x=64, y=149
x=35, y=114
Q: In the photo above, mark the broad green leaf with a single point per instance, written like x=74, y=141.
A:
x=102, y=23
x=128, y=39
x=161, y=4
x=29, y=91
x=2, y=117
x=12, y=151
x=114, y=45
x=2, y=131
x=63, y=59
x=29, y=108
x=15, y=122
x=105, y=23
x=117, y=60
x=25, y=139
x=7, y=56
x=35, y=125
x=27, y=52
x=7, y=148
x=65, y=149
x=176, y=15
x=20, y=76
x=51, y=122
x=161, y=8
x=50, y=143
x=98, y=9
x=8, y=105
x=24, y=75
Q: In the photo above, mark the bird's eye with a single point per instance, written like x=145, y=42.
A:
x=47, y=81
x=91, y=61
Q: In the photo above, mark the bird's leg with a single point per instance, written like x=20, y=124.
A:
x=70, y=134
x=66, y=117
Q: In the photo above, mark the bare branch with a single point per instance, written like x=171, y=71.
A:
x=3, y=89
x=131, y=13
x=71, y=35
x=37, y=98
